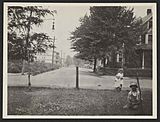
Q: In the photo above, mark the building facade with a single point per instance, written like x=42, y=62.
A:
x=144, y=48
x=48, y=56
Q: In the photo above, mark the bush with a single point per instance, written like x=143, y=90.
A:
x=14, y=66
x=132, y=72
x=128, y=72
x=41, y=67
x=108, y=71
x=35, y=67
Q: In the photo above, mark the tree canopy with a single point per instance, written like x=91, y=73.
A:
x=104, y=31
x=21, y=19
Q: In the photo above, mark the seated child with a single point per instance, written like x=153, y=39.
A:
x=133, y=98
x=119, y=80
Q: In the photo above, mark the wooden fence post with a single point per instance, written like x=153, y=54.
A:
x=77, y=78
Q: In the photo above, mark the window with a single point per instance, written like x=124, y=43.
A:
x=149, y=39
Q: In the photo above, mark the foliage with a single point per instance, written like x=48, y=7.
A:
x=128, y=72
x=14, y=66
x=21, y=19
x=35, y=68
x=104, y=31
x=69, y=60
x=132, y=72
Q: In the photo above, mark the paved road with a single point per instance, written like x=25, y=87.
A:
x=65, y=77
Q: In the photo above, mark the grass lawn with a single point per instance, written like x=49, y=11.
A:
x=61, y=101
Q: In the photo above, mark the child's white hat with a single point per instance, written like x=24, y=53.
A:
x=133, y=84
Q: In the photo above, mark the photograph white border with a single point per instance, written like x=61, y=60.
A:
x=154, y=65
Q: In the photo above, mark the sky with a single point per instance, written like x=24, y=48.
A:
x=66, y=20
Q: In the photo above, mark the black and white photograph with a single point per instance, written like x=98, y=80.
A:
x=79, y=60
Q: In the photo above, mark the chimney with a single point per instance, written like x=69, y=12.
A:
x=149, y=11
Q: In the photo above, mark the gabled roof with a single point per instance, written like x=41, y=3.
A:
x=146, y=18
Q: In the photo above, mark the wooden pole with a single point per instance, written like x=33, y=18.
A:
x=53, y=53
x=140, y=93
x=77, y=78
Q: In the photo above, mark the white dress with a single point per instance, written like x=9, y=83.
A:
x=118, y=80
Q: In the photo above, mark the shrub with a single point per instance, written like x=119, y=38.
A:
x=35, y=67
x=108, y=71
x=14, y=66
x=132, y=72
x=128, y=72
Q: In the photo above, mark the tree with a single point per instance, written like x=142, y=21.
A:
x=85, y=41
x=104, y=31
x=69, y=60
x=22, y=43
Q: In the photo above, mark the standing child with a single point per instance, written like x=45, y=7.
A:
x=133, y=98
x=119, y=80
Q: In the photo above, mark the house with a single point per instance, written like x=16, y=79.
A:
x=144, y=48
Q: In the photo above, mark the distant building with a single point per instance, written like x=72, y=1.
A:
x=47, y=57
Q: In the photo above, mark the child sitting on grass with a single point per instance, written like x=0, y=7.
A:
x=119, y=80
x=133, y=98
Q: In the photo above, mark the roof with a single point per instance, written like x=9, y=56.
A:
x=146, y=18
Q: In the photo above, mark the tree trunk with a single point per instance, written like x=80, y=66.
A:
x=107, y=61
x=104, y=62
x=95, y=64
x=23, y=67
x=28, y=52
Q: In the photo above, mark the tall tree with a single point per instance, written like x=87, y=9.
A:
x=85, y=41
x=104, y=32
x=21, y=19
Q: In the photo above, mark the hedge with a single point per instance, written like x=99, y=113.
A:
x=35, y=67
x=132, y=72
x=128, y=72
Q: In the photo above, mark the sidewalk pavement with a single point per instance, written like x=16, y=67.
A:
x=66, y=77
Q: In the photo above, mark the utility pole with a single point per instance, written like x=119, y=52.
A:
x=53, y=28
x=53, y=52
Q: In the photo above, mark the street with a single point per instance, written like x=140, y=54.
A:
x=66, y=77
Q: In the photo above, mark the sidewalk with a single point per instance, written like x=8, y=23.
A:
x=66, y=77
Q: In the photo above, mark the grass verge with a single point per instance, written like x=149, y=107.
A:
x=61, y=101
